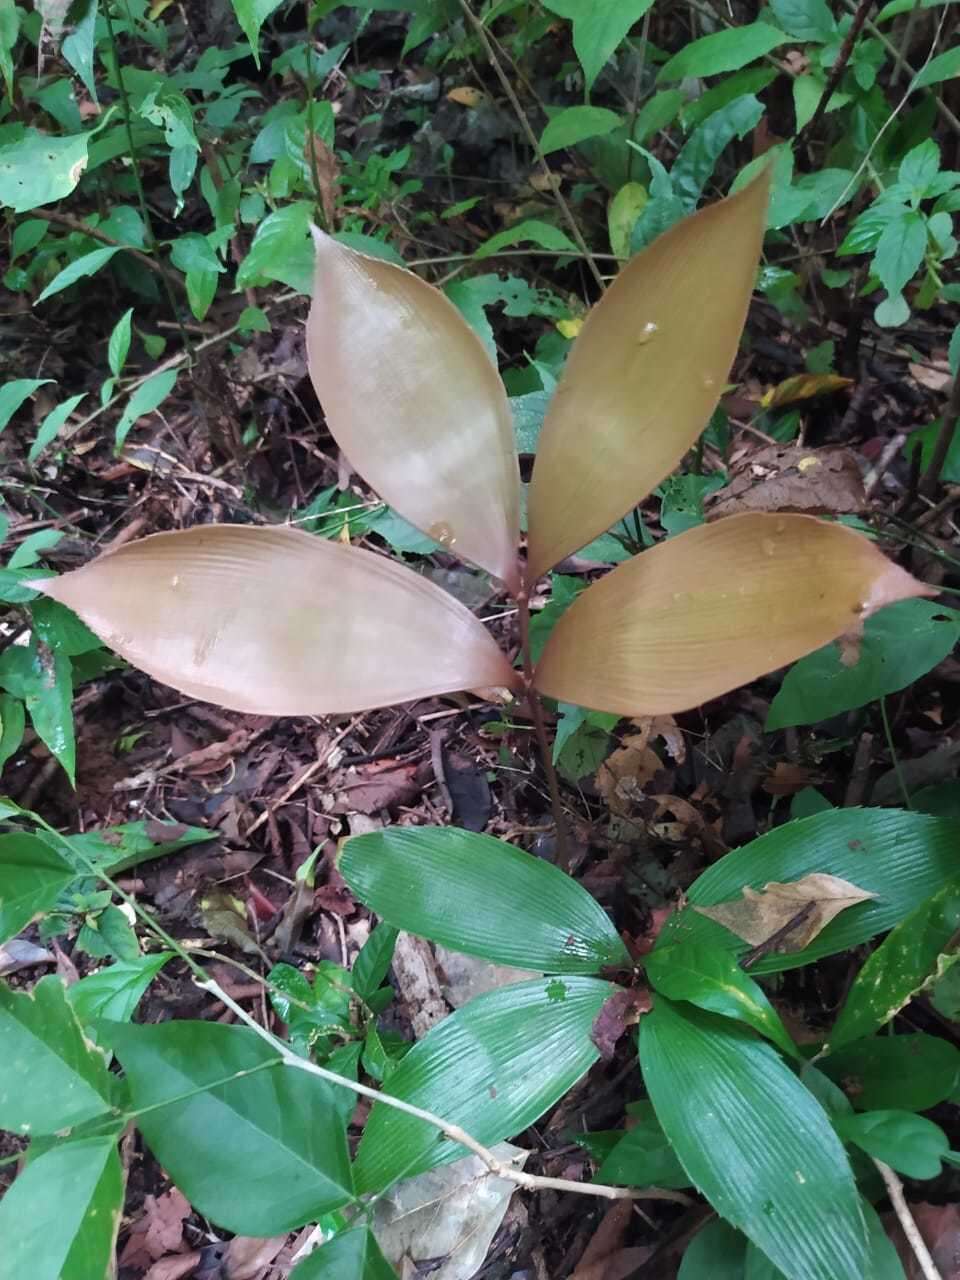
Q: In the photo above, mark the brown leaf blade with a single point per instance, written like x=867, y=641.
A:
x=809, y=904
x=413, y=400
x=644, y=375
x=279, y=622
x=715, y=608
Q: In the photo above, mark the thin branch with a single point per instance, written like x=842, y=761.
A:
x=948, y=429
x=839, y=66
x=529, y=1180
x=77, y=224
x=532, y=139
x=905, y=1217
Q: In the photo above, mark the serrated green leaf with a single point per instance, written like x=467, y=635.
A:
x=59, y=1220
x=920, y=165
x=244, y=1153
x=899, y=645
x=79, y=269
x=493, y=1068
x=912, y=1072
x=352, y=1255
x=805, y=19
x=147, y=397
x=39, y=169
x=723, y=51
x=13, y=394
x=900, y=250
x=598, y=29
x=920, y=949
x=252, y=14
x=901, y=857
x=115, y=991
x=911, y=1144
x=52, y=425
x=32, y=877
x=479, y=895
x=281, y=237
x=865, y=233
x=755, y=1141
x=51, y=1078
x=712, y=980
x=576, y=124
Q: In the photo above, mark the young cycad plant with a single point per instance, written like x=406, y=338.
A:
x=276, y=621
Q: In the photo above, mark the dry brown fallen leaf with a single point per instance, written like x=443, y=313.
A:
x=787, y=477
x=159, y=1231
x=174, y=1267
x=757, y=916
x=248, y=1257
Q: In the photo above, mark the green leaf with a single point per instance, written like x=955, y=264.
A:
x=622, y=212
x=920, y=166
x=574, y=124
x=13, y=394
x=40, y=169
x=115, y=991
x=696, y=162
x=282, y=239
x=911, y=1144
x=723, y=51
x=116, y=849
x=372, y=963
x=755, y=1141
x=750, y=81
x=943, y=67
x=479, y=895
x=896, y=7
x=59, y=1220
x=901, y=857
x=717, y=1252
x=493, y=1068
x=899, y=645
x=530, y=231
x=9, y=30
x=865, y=233
x=79, y=269
x=643, y=1157
x=919, y=950
x=147, y=397
x=712, y=980
x=52, y=425
x=26, y=236
x=352, y=1255
x=913, y=1072
x=32, y=877
x=900, y=250
x=49, y=699
x=805, y=19
x=261, y=1154
x=51, y=1078
x=598, y=29
x=12, y=724
x=118, y=346
x=252, y=14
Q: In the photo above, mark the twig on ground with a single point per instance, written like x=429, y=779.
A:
x=302, y=778
x=515, y=102
x=905, y=1218
x=876, y=472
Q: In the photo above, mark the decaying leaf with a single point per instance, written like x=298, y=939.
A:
x=451, y=1213
x=804, y=386
x=623, y=777
x=787, y=477
x=224, y=916
x=759, y=916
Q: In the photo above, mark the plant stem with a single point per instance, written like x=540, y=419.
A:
x=564, y=843
x=840, y=65
x=910, y=1229
x=948, y=429
x=888, y=733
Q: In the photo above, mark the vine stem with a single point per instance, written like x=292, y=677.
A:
x=905, y=1217
x=564, y=842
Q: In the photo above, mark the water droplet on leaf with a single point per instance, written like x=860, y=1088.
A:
x=647, y=333
x=441, y=532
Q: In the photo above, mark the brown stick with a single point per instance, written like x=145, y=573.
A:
x=838, y=68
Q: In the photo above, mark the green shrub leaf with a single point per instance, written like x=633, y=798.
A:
x=115, y=991
x=711, y=979
x=39, y=169
x=911, y=1144
x=51, y=1077
x=922, y=947
x=723, y=51
x=911, y=1072
x=32, y=877
x=79, y=269
x=493, y=1067
x=755, y=1141
x=575, y=124
x=902, y=857
x=598, y=29
x=60, y=1218
x=479, y=895
x=899, y=645
x=13, y=394
x=261, y=1154
x=147, y=397
x=353, y=1255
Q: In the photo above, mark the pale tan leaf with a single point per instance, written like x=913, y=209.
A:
x=279, y=622
x=816, y=899
x=644, y=375
x=416, y=404
x=715, y=608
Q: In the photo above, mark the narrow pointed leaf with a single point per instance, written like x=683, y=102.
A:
x=715, y=608
x=278, y=622
x=479, y=895
x=412, y=398
x=32, y=877
x=352, y=1255
x=644, y=375
x=493, y=1067
x=51, y=1077
x=920, y=949
x=755, y=1141
x=60, y=1218
x=901, y=857
x=261, y=1154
